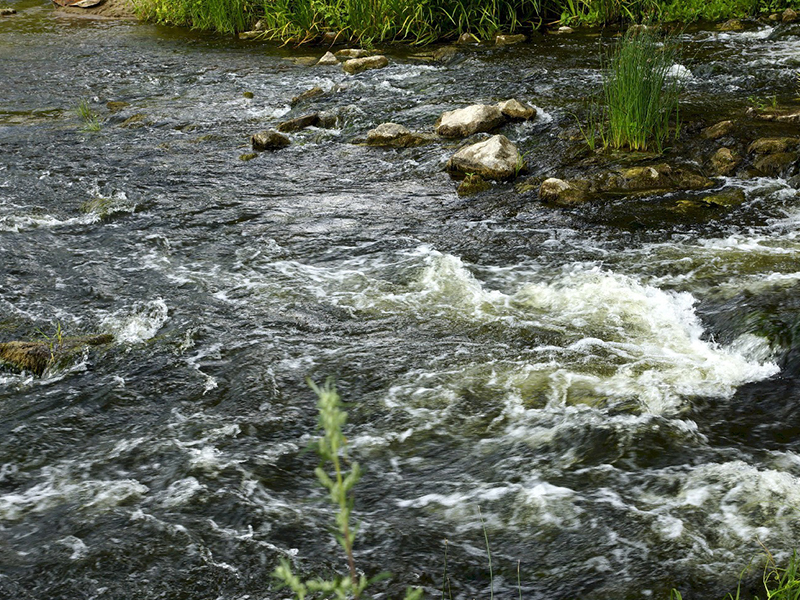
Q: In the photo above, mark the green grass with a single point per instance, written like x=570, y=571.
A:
x=640, y=97
x=91, y=122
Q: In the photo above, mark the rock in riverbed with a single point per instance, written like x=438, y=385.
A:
x=357, y=65
x=495, y=158
x=36, y=357
x=464, y=122
x=269, y=140
x=393, y=135
x=327, y=60
x=516, y=111
x=298, y=123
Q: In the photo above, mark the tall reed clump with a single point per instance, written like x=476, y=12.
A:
x=641, y=90
x=339, y=482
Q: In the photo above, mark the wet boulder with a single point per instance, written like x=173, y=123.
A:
x=563, y=193
x=37, y=357
x=269, y=140
x=6, y=12
x=724, y=161
x=789, y=16
x=774, y=156
x=357, y=65
x=328, y=60
x=495, y=158
x=393, y=135
x=516, y=111
x=310, y=120
x=464, y=122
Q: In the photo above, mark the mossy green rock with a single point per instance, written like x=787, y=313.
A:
x=36, y=357
x=472, y=184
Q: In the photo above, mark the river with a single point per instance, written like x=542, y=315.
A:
x=615, y=389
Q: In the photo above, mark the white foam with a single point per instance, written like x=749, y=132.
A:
x=138, y=323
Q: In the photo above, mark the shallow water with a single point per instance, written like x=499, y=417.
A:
x=616, y=389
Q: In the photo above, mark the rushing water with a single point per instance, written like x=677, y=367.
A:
x=616, y=390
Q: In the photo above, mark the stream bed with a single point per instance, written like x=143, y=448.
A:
x=615, y=385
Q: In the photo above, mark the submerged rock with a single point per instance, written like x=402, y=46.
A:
x=508, y=40
x=327, y=60
x=314, y=92
x=357, y=65
x=495, y=158
x=5, y=12
x=247, y=156
x=299, y=123
x=463, y=122
x=516, y=110
x=472, y=184
x=36, y=357
x=269, y=140
x=393, y=135
x=248, y=95
x=718, y=130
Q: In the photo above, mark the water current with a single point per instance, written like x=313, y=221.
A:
x=614, y=385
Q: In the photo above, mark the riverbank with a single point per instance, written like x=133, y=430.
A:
x=375, y=21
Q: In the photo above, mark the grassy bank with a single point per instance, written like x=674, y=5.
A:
x=424, y=21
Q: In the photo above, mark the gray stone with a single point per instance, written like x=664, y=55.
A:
x=393, y=135
x=516, y=110
x=495, y=158
x=327, y=60
x=269, y=140
x=472, y=119
x=357, y=65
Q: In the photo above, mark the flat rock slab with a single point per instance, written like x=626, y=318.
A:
x=464, y=122
x=495, y=158
x=314, y=92
x=357, y=65
x=299, y=123
x=353, y=53
x=393, y=135
x=36, y=357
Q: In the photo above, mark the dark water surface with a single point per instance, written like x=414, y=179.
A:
x=620, y=400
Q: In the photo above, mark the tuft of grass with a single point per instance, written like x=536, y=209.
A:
x=91, y=122
x=640, y=95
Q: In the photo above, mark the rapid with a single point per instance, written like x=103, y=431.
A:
x=614, y=385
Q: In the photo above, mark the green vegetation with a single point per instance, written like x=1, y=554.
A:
x=424, y=21
x=640, y=94
x=91, y=122
x=339, y=483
